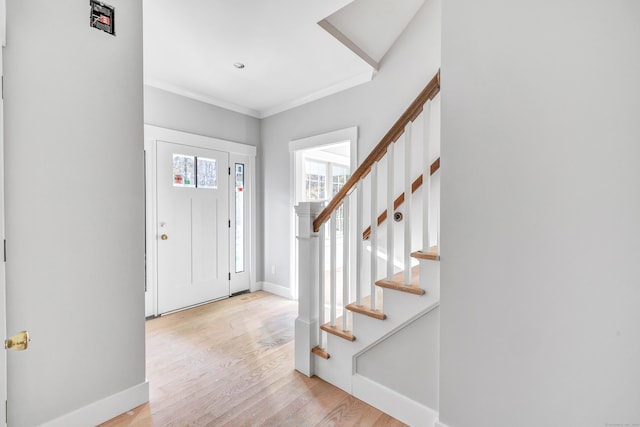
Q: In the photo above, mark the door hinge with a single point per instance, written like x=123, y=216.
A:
x=4, y=250
x=229, y=170
x=229, y=223
x=229, y=276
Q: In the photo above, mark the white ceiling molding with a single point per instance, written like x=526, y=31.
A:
x=373, y=25
x=338, y=87
x=329, y=28
x=202, y=98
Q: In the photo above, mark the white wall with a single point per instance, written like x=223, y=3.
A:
x=172, y=111
x=540, y=214
x=373, y=107
x=407, y=362
x=75, y=219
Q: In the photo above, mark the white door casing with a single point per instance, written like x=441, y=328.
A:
x=3, y=308
x=193, y=230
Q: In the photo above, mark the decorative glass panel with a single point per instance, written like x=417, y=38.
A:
x=207, y=173
x=239, y=217
x=315, y=180
x=183, y=171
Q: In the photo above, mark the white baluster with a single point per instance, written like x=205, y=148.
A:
x=407, y=203
x=321, y=281
x=390, y=209
x=426, y=175
x=332, y=268
x=345, y=264
x=373, y=236
x=359, y=242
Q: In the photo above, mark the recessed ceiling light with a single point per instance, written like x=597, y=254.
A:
x=239, y=65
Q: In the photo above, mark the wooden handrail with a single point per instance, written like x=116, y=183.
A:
x=378, y=152
x=400, y=199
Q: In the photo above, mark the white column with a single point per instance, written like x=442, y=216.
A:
x=306, y=326
x=408, y=136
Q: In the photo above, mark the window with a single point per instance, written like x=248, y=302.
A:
x=192, y=171
x=183, y=171
x=207, y=172
x=315, y=180
x=339, y=177
x=239, y=232
x=316, y=176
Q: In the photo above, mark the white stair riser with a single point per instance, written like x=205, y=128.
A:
x=401, y=306
x=430, y=276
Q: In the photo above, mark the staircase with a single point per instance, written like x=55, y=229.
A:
x=372, y=328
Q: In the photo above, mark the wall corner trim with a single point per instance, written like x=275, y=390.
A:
x=393, y=403
x=275, y=289
x=103, y=410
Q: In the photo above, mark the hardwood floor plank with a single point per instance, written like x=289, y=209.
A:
x=230, y=363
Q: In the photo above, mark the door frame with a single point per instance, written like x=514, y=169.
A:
x=3, y=287
x=296, y=147
x=236, y=150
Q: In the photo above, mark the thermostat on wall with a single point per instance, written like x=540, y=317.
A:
x=102, y=17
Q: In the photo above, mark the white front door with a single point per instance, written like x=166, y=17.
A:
x=192, y=225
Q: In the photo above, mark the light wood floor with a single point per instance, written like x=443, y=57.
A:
x=230, y=363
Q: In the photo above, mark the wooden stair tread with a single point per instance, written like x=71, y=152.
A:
x=431, y=254
x=397, y=283
x=319, y=351
x=337, y=330
x=365, y=308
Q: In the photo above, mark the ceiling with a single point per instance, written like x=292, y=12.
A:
x=294, y=51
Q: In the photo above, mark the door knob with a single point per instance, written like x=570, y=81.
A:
x=19, y=341
x=164, y=237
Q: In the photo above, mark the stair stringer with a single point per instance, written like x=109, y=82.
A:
x=401, y=309
x=407, y=386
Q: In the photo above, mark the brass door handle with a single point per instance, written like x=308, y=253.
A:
x=164, y=237
x=19, y=341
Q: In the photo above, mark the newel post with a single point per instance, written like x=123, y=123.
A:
x=307, y=327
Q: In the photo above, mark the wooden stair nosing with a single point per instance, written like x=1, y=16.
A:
x=337, y=330
x=366, y=310
x=319, y=351
x=431, y=254
x=397, y=283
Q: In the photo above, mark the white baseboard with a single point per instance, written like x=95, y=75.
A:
x=393, y=403
x=440, y=424
x=103, y=410
x=277, y=289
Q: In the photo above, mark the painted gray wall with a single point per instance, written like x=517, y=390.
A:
x=373, y=107
x=413, y=368
x=540, y=323
x=74, y=206
x=172, y=111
